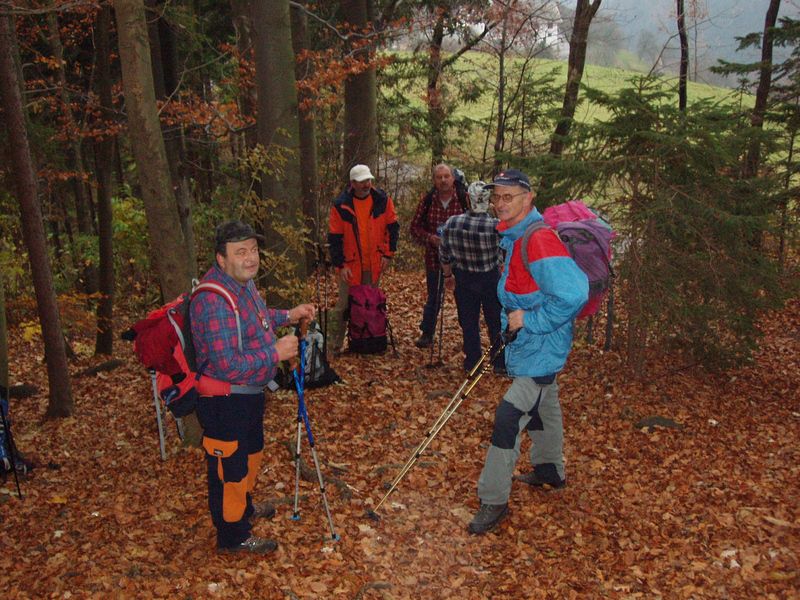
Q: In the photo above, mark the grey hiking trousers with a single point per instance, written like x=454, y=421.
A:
x=530, y=406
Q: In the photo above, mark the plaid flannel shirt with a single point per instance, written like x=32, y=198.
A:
x=470, y=242
x=215, y=336
x=422, y=228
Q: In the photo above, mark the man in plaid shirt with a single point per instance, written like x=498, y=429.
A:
x=442, y=202
x=236, y=360
x=470, y=250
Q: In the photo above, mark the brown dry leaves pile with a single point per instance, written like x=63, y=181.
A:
x=706, y=511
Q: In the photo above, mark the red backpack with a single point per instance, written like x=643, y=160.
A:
x=163, y=343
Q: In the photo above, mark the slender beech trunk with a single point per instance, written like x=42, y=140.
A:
x=436, y=114
x=83, y=200
x=762, y=92
x=103, y=156
x=163, y=63
x=248, y=100
x=166, y=237
x=360, y=96
x=309, y=174
x=684, y=66
x=584, y=13
x=278, y=118
x=500, y=136
x=23, y=174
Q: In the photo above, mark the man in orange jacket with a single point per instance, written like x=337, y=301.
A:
x=362, y=237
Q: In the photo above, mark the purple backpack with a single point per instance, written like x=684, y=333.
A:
x=588, y=240
x=366, y=320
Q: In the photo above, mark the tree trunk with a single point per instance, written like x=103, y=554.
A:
x=278, y=117
x=500, y=136
x=103, y=156
x=762, y=92
x=308, y=140
x=434, y=95
x=166, y=237
x=243, y=25
x=684, y=68
x=23, y=174
x=584, y=13
x=360, y=97
x=74, y=156
x=163, y=62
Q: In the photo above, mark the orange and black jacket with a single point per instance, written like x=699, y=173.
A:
x=343, y=239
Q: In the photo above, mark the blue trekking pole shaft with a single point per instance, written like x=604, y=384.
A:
x=299, y=382
x=302, y=415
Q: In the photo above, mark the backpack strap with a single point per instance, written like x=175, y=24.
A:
x=526, y=237
x=210, y=286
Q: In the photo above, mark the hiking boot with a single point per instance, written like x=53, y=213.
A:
x=424, y=341
x=253, y=544
x=487, y=518
x=543, y=476
x=263, y=510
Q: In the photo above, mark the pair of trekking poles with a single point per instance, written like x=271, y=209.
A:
x=440, y=295
x=474, y=375
x=303, y=420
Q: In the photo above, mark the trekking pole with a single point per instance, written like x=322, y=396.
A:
x=440, y=307
x=10, y=444
x=303, y=419
x=471, y=380
x=157, y=402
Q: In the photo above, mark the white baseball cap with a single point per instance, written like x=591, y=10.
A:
x=360, y=173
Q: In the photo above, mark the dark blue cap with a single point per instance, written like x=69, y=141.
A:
x=511, y=177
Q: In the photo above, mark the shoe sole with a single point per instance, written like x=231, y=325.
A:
x=488, y=529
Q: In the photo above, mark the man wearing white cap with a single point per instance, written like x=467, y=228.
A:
x=362, y=236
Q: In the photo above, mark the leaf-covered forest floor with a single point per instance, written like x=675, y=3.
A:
x=709, y=510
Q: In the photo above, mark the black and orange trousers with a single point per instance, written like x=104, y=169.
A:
x=233, y=439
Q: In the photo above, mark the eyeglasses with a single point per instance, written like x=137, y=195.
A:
x=504, y=198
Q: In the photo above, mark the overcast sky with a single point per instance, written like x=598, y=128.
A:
x=724, y=20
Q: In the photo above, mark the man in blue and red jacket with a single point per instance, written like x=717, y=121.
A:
x=540, y=301
x=237, y=357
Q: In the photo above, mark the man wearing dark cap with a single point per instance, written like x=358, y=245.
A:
x=237, y=356
x=540, y=301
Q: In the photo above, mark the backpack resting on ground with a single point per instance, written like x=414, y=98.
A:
x=366, y=320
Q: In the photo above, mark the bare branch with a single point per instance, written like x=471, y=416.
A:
x=332, y=27
x=12, y=9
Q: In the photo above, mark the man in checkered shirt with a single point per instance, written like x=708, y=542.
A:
x=470, y=251
x=238, y=354
x=445, y=199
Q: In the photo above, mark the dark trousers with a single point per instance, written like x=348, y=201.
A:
x=431, y=309
x=476, y=291
x=233, y=440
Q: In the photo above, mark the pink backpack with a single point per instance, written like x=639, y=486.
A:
x=366, y=320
